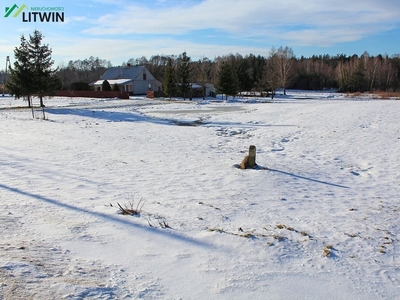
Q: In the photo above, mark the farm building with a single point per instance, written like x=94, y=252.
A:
x=135, y=80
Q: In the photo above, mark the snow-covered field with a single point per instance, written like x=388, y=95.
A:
x=321, y=223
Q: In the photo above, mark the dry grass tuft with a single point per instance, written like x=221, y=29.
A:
x=130, y=208
x=162, y=222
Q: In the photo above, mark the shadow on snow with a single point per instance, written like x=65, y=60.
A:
x=107, y=115
x=309, y=179
x=151, y=230
x=139, y=117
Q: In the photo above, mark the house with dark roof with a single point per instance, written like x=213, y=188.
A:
x=135, y=80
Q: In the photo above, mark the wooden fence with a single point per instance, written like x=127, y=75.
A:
x=93, y=94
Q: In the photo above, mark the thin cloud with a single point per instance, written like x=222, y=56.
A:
x=349, y=20
x=128, y=29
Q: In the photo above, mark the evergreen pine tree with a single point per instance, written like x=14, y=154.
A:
x=20, y=82
x=358, y=79
x=32, y=73
x=169, y=84
x=184, y=72
x=244, y=75
x=105, y=86
x=227, y=81
x=44, y=79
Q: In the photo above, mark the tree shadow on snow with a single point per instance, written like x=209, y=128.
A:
x=107, y=115
x=150, y=230
x=309, y=179
x=134, y=116
x=244, y=125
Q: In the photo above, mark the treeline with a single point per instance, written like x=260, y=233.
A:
x=235, y=73
x=281, y=69
x=77, y=75
x=348, y=73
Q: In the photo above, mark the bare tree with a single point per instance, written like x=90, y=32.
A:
x=204, y=73
x=389, y=72
x=272, y=74
x=285, y=58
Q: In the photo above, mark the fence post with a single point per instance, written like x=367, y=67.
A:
x=252, y=157
x=249, y=161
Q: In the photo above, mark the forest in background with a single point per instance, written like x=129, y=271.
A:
x=234, y=73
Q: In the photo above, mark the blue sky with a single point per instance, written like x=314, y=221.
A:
x=118, y=30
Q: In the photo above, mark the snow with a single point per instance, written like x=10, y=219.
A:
x=113, y=81
x=321, y=222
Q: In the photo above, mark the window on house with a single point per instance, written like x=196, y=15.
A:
x=144, y=76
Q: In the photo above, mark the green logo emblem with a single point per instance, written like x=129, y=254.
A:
x=36, y=13
x=10, y=10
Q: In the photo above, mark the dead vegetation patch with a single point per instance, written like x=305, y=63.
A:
x=376, y=95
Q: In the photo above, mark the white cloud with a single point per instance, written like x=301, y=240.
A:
x=350, y=20
x=249, y=26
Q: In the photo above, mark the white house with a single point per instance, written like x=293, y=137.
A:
x=135, y=80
